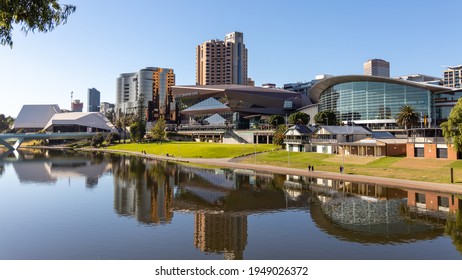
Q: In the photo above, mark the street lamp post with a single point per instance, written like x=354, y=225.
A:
x=255, y=146
x=288, y=152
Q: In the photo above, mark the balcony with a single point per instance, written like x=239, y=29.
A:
x=304, y=140
x=318, y=140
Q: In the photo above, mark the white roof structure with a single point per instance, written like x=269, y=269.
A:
x=90, y=119
x=35, y=116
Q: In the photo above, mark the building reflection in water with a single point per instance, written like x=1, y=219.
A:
x=221, y=233
x=47, y=167
x=143, y=189
x=222, y=199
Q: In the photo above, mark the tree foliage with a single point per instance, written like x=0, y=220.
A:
x=327, y=117
x=299, y=118
x=112, y=137
x=137, y=132
x=5, y=122
x=407, y=117
x=31, y=15
x=278, y=136
x=453, y=228
x=97, y=140
x=158, y=130
x=452, y=129
x=138, y=127
x=275, y=120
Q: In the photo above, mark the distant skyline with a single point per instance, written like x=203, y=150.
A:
x=287, y=41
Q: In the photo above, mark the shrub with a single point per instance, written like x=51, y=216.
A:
x=97, y=140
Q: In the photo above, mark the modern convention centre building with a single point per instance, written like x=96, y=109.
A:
x=375, y=101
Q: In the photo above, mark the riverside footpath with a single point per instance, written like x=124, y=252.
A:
x=234, y=163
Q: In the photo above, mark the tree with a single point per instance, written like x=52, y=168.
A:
x=158, y=130
x=138, y=128
x=121, y=124
x=407, y=117
x=327, y=117
x=31, y=15
x=299, y=118
x=137, y=131
x=112, y=137
x=275, y=120
x=278, y=136
x=452, y=128
x=97, y=140
x=5, y=122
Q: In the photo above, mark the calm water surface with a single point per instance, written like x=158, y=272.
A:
x=63, y=205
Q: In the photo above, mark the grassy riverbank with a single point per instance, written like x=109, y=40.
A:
x=419, y=169
x=195, y=149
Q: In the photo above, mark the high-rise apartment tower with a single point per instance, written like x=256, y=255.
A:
x=377, y=67
x=452, y=77
x=222, y=62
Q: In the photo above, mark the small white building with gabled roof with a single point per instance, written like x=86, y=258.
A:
x=326, y=138
x=297, y=138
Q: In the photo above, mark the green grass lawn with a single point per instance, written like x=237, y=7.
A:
x=430, y=170
x=195, y=149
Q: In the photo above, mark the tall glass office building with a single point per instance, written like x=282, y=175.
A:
x=93, y=100
x=374, y=101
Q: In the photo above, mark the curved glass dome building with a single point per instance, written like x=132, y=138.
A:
x=373, y=101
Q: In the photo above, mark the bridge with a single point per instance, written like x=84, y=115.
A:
x=19, y=138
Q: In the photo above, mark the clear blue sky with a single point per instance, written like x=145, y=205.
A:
x=287, y=41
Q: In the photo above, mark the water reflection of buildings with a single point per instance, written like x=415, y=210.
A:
x=30, y=169
x=432, y=205
x=221, y=233
x=367, y=213
x=221, y=201
x=143, y=189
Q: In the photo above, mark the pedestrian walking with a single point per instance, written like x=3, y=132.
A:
x=309, y=167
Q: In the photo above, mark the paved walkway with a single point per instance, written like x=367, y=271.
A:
x=232, y=163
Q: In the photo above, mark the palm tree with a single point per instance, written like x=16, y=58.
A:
x=407, y=117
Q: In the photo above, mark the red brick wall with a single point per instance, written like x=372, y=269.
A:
x=429, y=150
x=410, y=150
x=452, y=154
x=397, y=149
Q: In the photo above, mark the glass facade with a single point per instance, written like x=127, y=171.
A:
x=374, y=103
x=444, y=102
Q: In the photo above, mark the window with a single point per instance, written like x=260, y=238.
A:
x=443, y=201
x=420, y=198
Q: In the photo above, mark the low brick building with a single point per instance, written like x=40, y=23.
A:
x=430, y=143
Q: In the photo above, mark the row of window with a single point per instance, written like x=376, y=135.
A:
x=443, y=201
x=373, y=100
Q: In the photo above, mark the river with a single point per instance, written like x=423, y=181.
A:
x=66, y=205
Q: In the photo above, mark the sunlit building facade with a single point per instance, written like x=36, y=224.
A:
x=232, y=105
x=154, y=84
x=452, y=77
x=377, y=67
x=222, y=62
x=376, y=101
